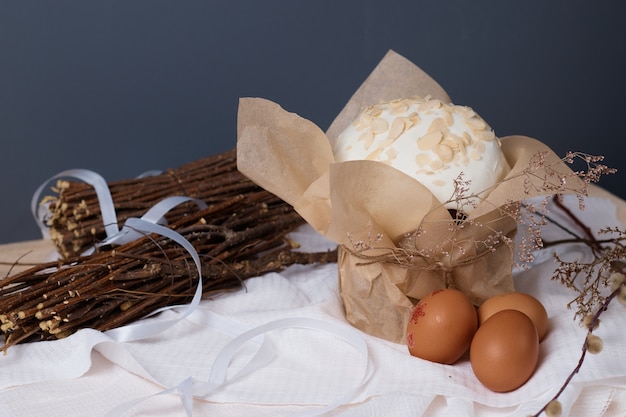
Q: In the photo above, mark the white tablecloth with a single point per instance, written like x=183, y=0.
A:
x=88, y=374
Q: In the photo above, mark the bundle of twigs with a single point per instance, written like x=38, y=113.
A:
x=75, y=221
x=241, y=234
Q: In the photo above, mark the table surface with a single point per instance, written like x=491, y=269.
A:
x=39, y=250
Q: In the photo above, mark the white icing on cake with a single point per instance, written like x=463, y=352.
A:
x=430, y=141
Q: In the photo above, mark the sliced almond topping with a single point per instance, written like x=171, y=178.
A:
x=452, y=141
x=429, y=140
x=487, y=136
x=385, y=143
x=375, y=111
x=474, y=155
x=374, y=155
x=406, y=121
x=444, y=152
x=391, y=154
x=437, y=164
x=367, y=138
x=476, y=124
x=439, y=183
x=414, y=119
x=447, y=117
x=422, y=160
x=465, y=111
x=365, y=120
x=397, y=128
x=430, y=104
x=467, y=139
x=399, y=108
x=462, y=149
x=379, y=125
x=438, y=125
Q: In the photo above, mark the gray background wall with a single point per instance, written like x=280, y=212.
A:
x=121, y=87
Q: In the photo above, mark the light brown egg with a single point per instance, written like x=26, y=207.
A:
x=505, y=351
x=441, y=326
x=525, y=303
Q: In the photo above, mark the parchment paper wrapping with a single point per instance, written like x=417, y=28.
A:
x=369, y=208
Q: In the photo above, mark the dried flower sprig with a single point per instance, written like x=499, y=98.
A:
x=589, y=279
x=592, y=344
x=540, y=176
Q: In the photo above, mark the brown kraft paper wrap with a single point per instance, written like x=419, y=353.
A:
x=397, y=243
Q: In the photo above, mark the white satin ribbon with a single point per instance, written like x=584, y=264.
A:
x=191, y=388
x=153, y=222
x=150, y=173
x=141, y=330
x=107, y=208
x=101, y=188
x=134, y=228
x=217, y=377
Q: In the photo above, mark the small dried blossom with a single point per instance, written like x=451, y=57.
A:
x=594, y=344
x=621, y=297
x=616, y=279
x=554, y=409
x=361, y=245
x=590, y=322
x=589, y=280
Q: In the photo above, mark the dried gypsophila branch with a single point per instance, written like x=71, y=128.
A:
x=606, y=270
x=530, y=216
x=591, y=344
x=589, y=279
x=410, y=256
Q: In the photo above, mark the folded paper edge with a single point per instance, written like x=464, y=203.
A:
x=401, y=79
x=272, y=142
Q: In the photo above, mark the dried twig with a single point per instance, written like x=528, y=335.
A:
x=606, y=269
x=241, y=234
x=75, y=220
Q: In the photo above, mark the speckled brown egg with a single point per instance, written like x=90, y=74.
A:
x=525, y=303
x=441, y=326
x=505, y=351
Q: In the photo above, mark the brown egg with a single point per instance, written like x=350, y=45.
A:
x=505, y=351
x=525, y=303
x=441, y=326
